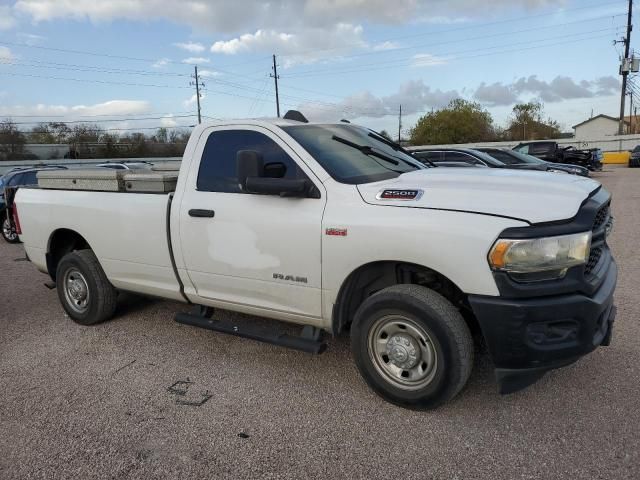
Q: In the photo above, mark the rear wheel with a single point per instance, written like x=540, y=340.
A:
x=83, y=288
x=8, y=232
x=412, y=346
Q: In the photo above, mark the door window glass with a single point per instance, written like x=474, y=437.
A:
x=218, y=170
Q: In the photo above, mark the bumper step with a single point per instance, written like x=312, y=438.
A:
x=309, y=341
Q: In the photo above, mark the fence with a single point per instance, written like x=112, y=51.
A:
x=621, y=143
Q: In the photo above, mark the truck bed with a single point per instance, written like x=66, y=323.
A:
x=128, y=232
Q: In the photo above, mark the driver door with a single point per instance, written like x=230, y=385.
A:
x=249, y=249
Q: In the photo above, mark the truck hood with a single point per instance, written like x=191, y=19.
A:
x=530, y=196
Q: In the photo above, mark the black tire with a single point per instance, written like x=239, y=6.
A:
x=8, y=232
x=448, y=336
x=82, y=269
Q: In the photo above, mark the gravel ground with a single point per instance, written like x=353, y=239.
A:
x=95, y=402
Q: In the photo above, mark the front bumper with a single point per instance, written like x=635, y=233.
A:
x=526, y=337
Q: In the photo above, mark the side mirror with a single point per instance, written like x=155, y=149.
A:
x=249, y=163
x=256, y=177
x=275, y=170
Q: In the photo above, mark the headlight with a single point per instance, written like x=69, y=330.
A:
x=538, y=259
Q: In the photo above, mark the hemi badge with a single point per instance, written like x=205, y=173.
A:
x=399, y=194
x=338, y=232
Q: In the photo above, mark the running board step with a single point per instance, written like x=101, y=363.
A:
x=308, y=342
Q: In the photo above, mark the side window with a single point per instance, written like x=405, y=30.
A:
x=522, y=149
x=29, y=178
x=217, y=171
x=504, y=157
x=539, y=148
x=461, y=157
x=15, y=180
x=433, y=156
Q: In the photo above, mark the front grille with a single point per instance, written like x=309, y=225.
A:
x=594, y=258
x=601, y=217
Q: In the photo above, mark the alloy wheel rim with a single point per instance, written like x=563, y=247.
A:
x=8, y=232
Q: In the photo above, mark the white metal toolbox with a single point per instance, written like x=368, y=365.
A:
x=105, y=180
x=154, y=182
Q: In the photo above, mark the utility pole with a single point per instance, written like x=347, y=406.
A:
x=625, y=68
x=198, y=84
x=275, y=77
x=400, y=125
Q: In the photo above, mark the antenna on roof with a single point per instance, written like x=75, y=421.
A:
x=296, y=116
x=344, y=120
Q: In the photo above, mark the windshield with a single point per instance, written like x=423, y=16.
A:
x=513, y=157
x=345, y=163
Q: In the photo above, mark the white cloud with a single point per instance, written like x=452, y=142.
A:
x=31, y=39
x=111, y=107
x=192, y=47
x=293, y=48
x=414, y=96
x=196, y=60
x=192, y=100
x=260, y=40
x=427, y=60
x=6, y=56
x=7, y=20
x=233, y=16
x=558, y=89
x=385, y=46
x=163, y=62
x=208, y=73
x=168, y=121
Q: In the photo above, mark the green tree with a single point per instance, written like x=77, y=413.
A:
x=385, y=134
x=460, y=122
x=527, y=123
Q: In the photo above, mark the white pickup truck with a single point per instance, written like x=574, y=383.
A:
x=334, y=228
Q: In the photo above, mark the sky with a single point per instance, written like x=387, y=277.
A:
x=128, y=64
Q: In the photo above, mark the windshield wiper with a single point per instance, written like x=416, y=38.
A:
x=367, y=150
x=398, y=148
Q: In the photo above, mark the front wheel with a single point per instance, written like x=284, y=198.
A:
x=83, y=288
x=8, y=232
x=412, y=346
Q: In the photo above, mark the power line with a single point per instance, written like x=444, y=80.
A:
x=469, y=27
x=86, y=80
x=164, y=115
x=466, y=39
x=408, y=62
x=107, y=120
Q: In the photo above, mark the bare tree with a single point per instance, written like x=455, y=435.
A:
x=12, y=141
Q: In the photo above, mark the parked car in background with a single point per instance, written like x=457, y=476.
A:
x=456, y=157
x=514, y=159
x=17, y=177
x=550, y=151
x=634, y=159
x=126, y=165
